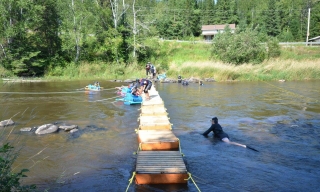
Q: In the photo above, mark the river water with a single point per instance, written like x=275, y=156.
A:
x=280, y=119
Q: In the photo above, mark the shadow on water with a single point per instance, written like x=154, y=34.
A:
x=280, y=120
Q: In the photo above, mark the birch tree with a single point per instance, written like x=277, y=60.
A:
x=117, y=11
x=75, y=25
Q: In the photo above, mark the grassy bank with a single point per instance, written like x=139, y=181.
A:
x=193, y=60
x=95, y=71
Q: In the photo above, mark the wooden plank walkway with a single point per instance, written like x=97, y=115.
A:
x=154, y=122
x=160, y=167
x=158, y=161
x=153, y=111
x=157, y=140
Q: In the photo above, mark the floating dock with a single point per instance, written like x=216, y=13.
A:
x=159, y=160
x=157, y=140
x=160, y=167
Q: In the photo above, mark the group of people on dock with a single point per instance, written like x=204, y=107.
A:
x=142, y=85
x=138, y=87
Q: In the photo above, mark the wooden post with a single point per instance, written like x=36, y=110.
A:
x=308, y=27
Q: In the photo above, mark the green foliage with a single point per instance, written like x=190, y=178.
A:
x=10, y=181
x=315, y=20
x=59, y=32
x=239, y=48
x=273, y=47
x=26, y=65
x=286, y=36
x=272, y=19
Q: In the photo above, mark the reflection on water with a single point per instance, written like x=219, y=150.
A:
x=281, y=120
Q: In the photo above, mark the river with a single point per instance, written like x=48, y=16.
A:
x=280, y=119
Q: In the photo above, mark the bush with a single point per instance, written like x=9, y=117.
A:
x=10, y=181
x=273, y=47
x=243, y=47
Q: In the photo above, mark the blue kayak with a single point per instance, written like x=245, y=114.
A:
x=130, y=99
x=126, y=90
x=93, y=88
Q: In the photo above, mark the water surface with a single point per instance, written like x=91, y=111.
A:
x=281, y=120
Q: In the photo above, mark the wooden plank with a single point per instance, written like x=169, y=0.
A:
x=154, y=123
x=152, y=106
x=154, y=119
x=152, y=101
x=153, y=111
x=151, y=136
x=157, y=162
x=157, y=140
x=165, y=126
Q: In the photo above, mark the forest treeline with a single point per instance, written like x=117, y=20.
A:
x=39, y=36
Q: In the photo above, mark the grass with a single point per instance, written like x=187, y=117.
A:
x=96, y=71
x=274, y=69
x=300, y=53
x=193, y=60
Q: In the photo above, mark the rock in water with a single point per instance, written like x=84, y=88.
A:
x=47, y=128
x=73, y=130
x=26, y=129
x=6, y=123
x=68, y=127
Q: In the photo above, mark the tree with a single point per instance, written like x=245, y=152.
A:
x=272, y=19
x=223, y=12
x=315, y=20
x=77, y=22
x=238, y=48
x=21, y=21
x=207, y=12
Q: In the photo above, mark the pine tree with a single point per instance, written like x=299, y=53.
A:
x=272, y=20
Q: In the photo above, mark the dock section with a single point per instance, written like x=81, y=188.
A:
x=159, y=160
x=160, y=167
x=157, y=140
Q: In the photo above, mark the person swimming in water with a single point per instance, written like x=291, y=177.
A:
x=219, y=133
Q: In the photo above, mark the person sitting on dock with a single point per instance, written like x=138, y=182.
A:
x=219, y=133
x=145, y=87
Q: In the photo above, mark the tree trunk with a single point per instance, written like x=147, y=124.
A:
x=134, y=29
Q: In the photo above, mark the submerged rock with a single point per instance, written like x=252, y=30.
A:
x=26, y=129
x=128, y=81
x=209, y=80
x=68, y=127
x=47, y=128
x=74, y=130
x=6, y=123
